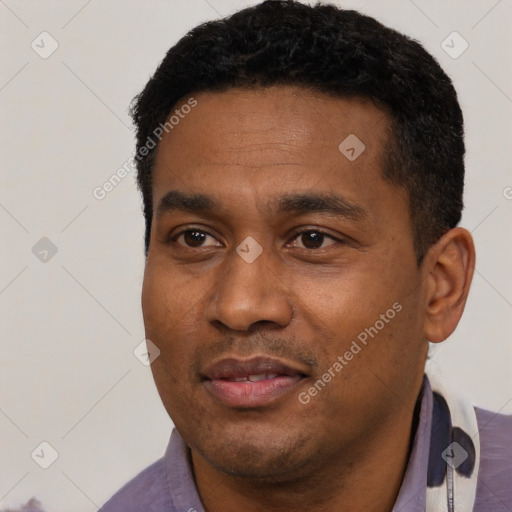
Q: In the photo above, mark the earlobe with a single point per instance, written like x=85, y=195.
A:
x=451, y=262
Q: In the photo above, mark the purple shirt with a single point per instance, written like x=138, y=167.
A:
x=168, y=484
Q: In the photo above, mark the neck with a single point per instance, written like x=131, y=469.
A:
x=367, y=477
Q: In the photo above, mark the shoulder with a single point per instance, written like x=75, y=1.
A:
x=147, y=492
x=494, y=488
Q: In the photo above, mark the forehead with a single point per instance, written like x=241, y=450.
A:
x=279, y=115
x=278, y=136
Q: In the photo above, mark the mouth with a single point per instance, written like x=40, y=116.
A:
x=251, y=383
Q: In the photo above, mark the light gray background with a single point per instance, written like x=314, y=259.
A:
x=69, y=325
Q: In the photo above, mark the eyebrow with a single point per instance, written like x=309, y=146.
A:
x=180, y=201
x=298, y=203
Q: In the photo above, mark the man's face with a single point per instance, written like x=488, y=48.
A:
x=244, y=336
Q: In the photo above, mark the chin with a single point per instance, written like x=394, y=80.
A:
x=264, y=457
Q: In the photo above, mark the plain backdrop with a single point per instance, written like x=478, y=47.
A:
x=71, y=265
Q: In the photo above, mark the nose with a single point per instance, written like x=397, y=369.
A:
x=248, y=293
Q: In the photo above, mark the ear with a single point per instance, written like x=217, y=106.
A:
x=449, y=266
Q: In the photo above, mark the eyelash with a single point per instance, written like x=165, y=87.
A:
x=295, y=235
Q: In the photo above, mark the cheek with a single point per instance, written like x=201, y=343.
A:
x=376, y=312
x=179, y=399
x=344, y=304
x=167, y=309
x=166, y=297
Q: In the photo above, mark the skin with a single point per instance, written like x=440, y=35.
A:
x=304, y=302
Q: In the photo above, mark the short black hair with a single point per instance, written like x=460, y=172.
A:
x=338, y=52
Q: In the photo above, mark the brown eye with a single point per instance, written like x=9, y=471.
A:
x=194, y=238
x=314, y=239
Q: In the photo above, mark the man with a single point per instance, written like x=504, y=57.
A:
x=302, y=174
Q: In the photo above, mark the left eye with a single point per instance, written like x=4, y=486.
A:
x=314, y=239
x=195, y=238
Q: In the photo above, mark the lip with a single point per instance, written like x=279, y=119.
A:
x=228, y=380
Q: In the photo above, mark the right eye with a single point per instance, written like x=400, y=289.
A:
x=194, y=238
